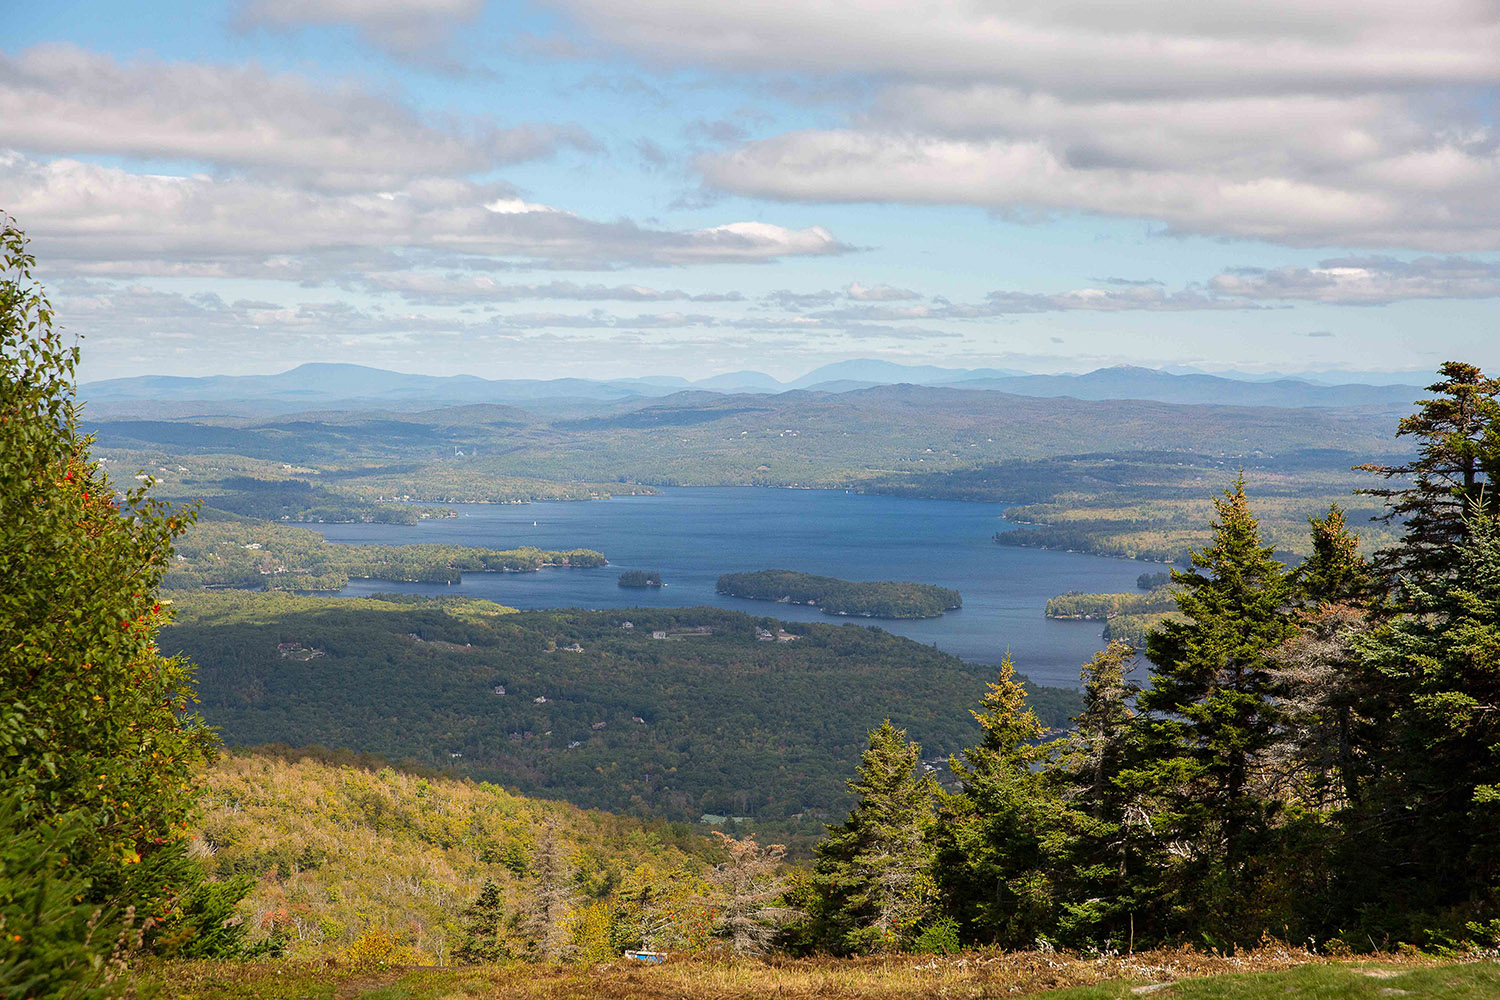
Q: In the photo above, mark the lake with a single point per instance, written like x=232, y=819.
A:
x=692, y=535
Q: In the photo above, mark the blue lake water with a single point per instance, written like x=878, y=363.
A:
x=691, y=536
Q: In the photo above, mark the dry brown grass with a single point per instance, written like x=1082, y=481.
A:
x=973, y=974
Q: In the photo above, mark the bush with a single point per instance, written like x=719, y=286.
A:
x=938, y=938
x=53, y=943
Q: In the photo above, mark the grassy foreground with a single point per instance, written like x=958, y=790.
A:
x=1268, y=974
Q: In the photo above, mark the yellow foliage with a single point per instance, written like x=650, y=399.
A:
x=348, y=860
x=590, y=937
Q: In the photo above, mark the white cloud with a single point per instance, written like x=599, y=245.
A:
x=58, y=99
x=1447, y=199
x=105, y=220
x=1366, y=281
x=1142, y=297
x=1331, y=123
x=1089, y=47
x=878, y=293
x=428, y=287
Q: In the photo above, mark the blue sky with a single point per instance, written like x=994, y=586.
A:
x=633, y=187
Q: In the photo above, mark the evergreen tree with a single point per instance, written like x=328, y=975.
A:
x=1425, y=831
x=1454, y=474
x=1335, y=573
x=550, y=905
x=1329, y=708
x=1094, y=752
x=1211, y=718
x=992, y=836
x=1095, y=893
x=870, y=886
x=483, y=928
x=750, y=887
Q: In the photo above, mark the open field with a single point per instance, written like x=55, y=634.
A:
x=1268, y=973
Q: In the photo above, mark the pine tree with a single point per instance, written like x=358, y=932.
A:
x=992, y=836
x=1454, y=475
x=1210, y=717
x=870, y=886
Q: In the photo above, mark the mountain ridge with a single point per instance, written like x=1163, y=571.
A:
x=329, y=386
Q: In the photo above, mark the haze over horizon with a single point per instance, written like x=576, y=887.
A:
x=624, y=188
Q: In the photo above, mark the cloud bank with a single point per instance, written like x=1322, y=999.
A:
x=1334, y=123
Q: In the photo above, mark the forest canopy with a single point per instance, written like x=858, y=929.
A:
x=874, y=599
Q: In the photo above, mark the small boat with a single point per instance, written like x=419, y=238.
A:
x=646, y=956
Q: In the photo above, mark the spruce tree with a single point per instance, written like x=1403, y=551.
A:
x=1329, y=705
x=1454, y=475
x=1211, y=717
x=1104, y=822
x=1425, y=830
x=483, y=922
x=991, y=834
x=549, y=907
x=1335, y=573
x=871, y=886
x=750, y=886
x=1094, y=752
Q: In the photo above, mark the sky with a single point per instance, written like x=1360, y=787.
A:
x=617, y=188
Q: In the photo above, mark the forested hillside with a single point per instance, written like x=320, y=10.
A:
x=797, y=438
x=684, y=712
x=222, y=550
x=361, y=864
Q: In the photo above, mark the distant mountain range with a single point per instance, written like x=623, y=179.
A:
x=313, y=387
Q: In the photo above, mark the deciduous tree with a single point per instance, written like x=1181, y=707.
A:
x=94, y=720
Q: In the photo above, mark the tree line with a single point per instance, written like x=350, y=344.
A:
x=1312, y=753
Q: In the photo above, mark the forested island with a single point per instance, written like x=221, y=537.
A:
x=872, y=599
x=1077, y=606
x=1128, y=618
x=640, y=578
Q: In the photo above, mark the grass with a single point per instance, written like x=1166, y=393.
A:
x=1267, y=974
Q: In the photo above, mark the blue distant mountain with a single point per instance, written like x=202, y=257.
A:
x=872, y=372
x=1127, y=382
x=342, y=386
